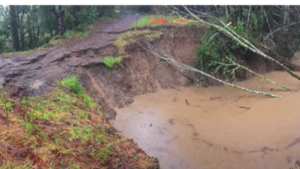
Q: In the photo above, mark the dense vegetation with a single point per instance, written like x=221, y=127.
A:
x=276, y=27
x=28, y=27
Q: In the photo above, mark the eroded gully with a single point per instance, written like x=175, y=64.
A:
x=217, y=127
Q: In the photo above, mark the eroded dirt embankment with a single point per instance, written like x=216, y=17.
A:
x=143, y=73
x=138, y=74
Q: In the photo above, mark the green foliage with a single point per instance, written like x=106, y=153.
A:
x=239, y=27
x=38, y=24
x=5, y=33
x=88, y=14
x=111, y=61
x=73, y=85
x=214, y=55
x=141, y=9
x=107, y=11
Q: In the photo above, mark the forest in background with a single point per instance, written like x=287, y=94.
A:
x=24, y=28
x=28, y=27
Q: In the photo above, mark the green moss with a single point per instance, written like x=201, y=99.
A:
x=111, y=61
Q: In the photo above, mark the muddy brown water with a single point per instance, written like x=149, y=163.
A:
x=217, y=127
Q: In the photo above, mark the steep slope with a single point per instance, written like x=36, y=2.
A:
x=24, y=75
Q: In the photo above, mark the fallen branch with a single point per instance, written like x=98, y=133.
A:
x=280, y=29
x=243, y=42
x=261, y=76
x=170, y=60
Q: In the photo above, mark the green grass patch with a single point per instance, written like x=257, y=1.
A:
x=28, y=52
x=169, y=21
x=133, y=37
x=110, y=61
x=73, y=85
x=69, y=35
x=74, y=34
x=144, y=20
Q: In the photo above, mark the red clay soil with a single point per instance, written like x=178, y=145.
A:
x=140, y=73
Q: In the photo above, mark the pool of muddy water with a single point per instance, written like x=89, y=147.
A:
x=217, y=127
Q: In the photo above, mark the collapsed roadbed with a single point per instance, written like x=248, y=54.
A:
x=139, y=72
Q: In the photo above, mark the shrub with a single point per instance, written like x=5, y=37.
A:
x=214, y=55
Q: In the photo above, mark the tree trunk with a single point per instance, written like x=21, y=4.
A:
x=100, y=11
x=33, y=35
x=22, y=34
x=226, y=11
x=60, y=20
x=29, y=32
x=38, y=35
x=14, y=27
x=285, y=30
x=74, y=11
x=216, y=8
x=286, y=17
x=248, y=17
